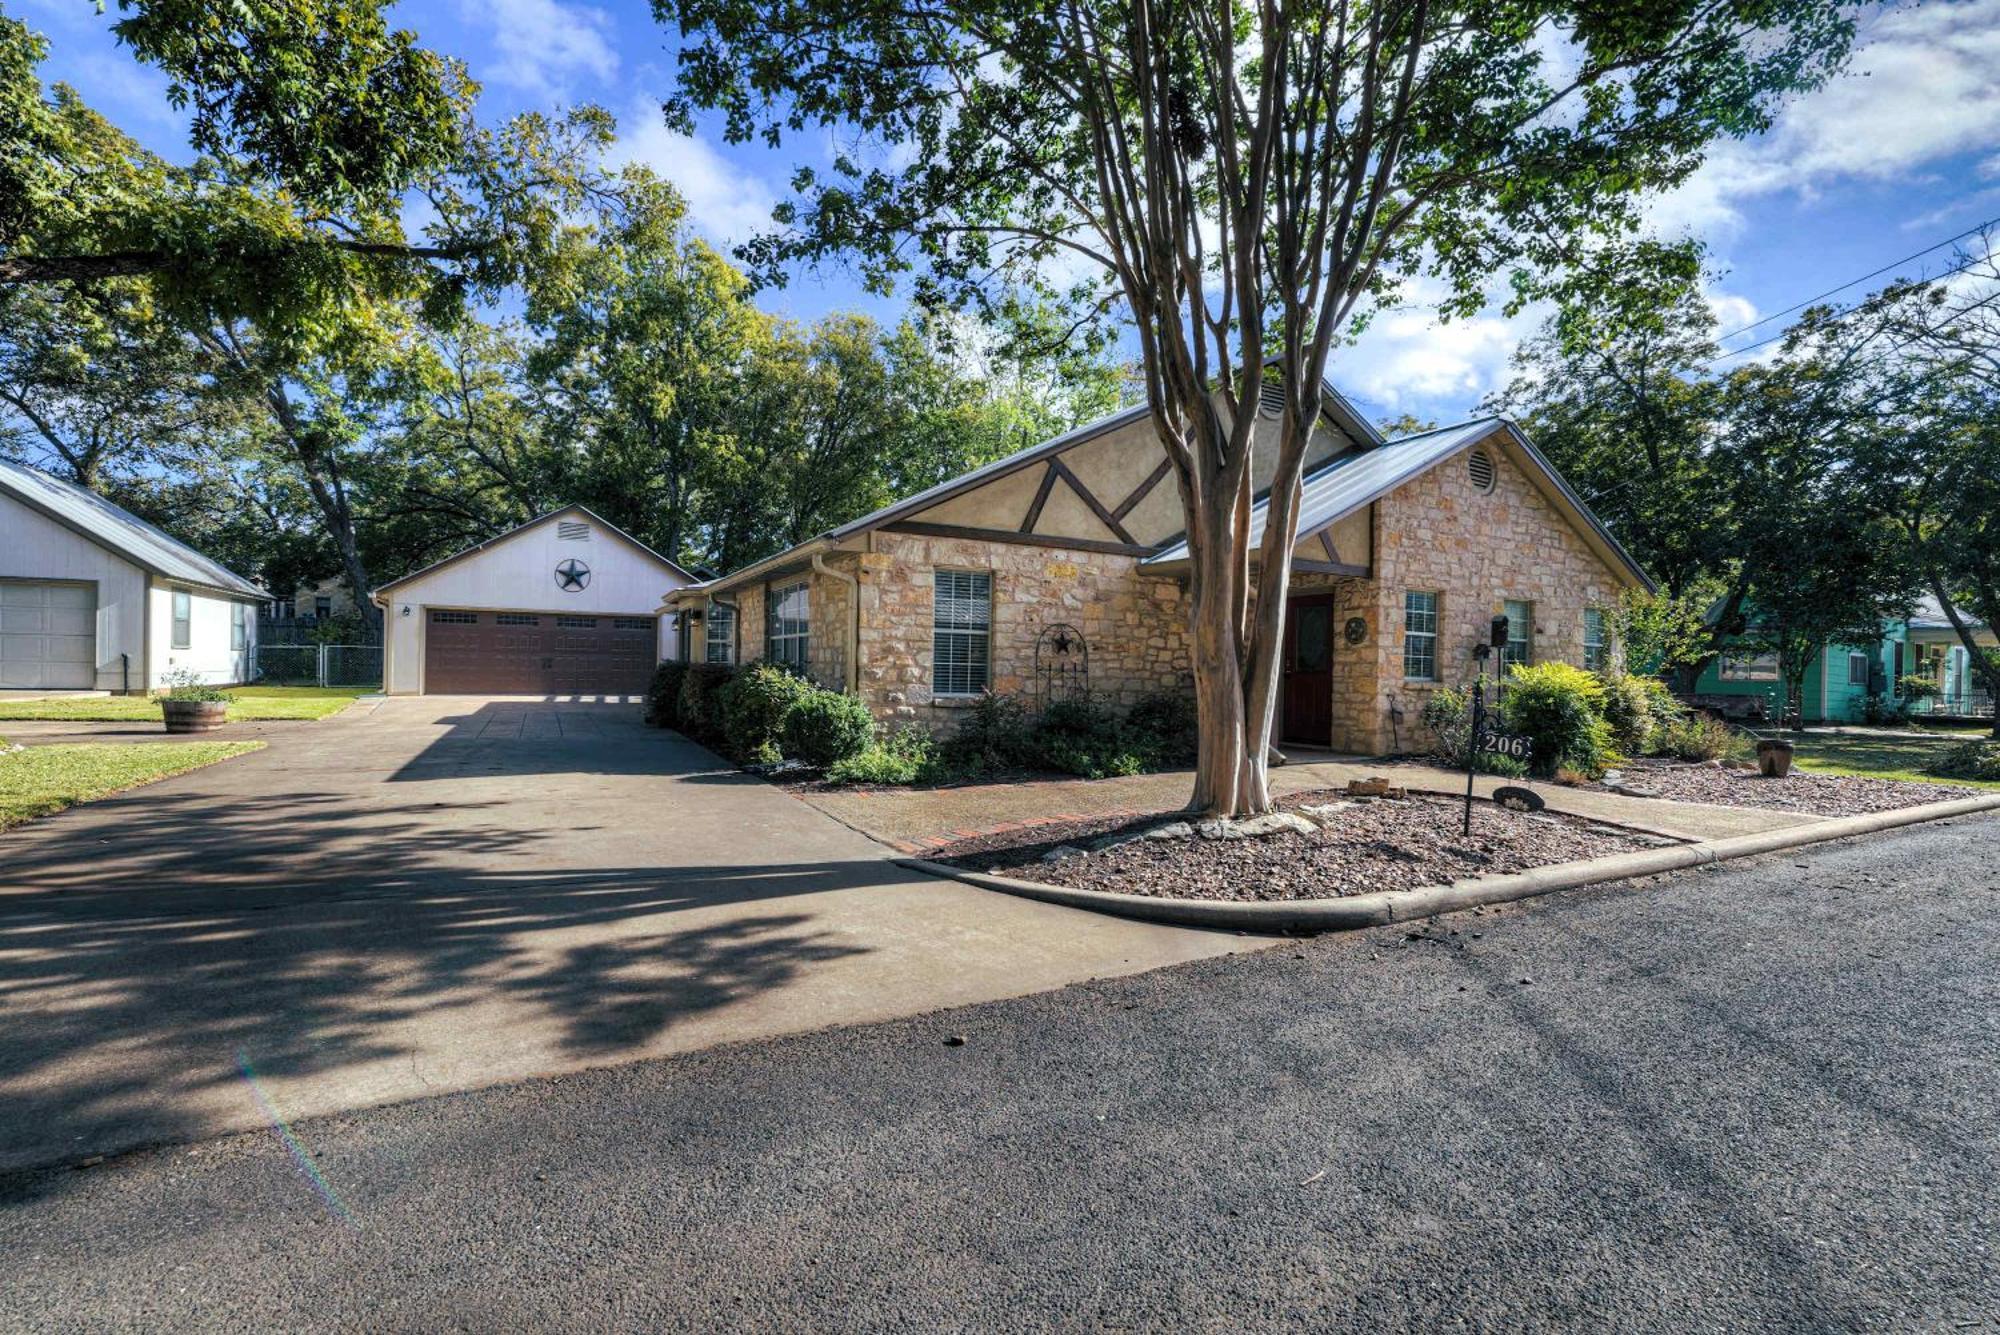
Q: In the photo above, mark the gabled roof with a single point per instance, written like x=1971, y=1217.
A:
x=1332, y=404
x=543, y=518
x=1929, y=615
x=118, y=530
x=1362, y=477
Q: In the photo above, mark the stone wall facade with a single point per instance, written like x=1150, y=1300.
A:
x=1135, y=627
x=1438, y=533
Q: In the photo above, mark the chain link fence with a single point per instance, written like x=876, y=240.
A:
x=317, y=665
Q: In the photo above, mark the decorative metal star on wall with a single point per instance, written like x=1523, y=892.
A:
x=572, y=575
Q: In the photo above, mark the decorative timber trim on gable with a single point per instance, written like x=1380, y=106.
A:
x=920, y=529
x=1143, y=490
x=1089, y=498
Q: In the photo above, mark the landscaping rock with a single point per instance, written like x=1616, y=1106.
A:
x=1256, y=827
x=1064, y=852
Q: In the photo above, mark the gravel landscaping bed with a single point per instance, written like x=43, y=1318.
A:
x=1801, y=790
x=1354, y=848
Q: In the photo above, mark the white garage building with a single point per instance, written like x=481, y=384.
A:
x=92, y=597
x=567, y=604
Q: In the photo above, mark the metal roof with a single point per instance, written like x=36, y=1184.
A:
x=118, y=530
x=1929, y=615
x=1359, y=477
x=1352, y=480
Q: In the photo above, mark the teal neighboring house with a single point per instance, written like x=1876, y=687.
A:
x=1838, y=682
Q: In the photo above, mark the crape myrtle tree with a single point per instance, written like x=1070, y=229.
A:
x=1237, y=181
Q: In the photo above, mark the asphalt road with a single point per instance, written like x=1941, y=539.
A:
x=1756, y=1096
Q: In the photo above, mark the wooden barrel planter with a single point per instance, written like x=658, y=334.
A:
x=194, y=715
x=1774, y=758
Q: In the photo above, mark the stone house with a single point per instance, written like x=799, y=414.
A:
x=1061, y=569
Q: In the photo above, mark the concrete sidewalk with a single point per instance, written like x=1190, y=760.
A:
x=440, y=894
x=917, y=820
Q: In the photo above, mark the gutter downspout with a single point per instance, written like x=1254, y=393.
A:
x=852, y=673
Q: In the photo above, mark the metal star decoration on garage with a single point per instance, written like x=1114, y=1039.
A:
x=572, y=575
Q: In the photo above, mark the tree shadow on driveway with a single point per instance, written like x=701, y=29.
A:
x=322, y=942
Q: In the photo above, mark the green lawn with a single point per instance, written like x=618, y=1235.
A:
x=252, y=702
x=1880, y=756
x=42, y=780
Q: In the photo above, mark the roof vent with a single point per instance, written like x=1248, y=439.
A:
x=1271, y=398
x=572, y=530
x=1479, y=469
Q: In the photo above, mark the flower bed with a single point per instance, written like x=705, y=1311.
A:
x=1354, y=847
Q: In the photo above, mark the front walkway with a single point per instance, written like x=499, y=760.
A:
x=915, y=820
x=442, y=893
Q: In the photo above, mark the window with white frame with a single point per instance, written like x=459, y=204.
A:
x=787, y=625
x=961, y=631
x=1594, y=656
x=239, y=625
x=1857, y=668
x=720, y=644
x=1520, y=632
x=183, y=620
x=1749, y=666
x=1420, y=636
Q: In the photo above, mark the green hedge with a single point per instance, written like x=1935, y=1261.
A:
x=700, y=711
x=754, y=707
x=663, y=697
x=824, y=728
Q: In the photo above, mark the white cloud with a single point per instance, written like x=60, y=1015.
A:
x=543, y=46
x=1410, y=361
x=1924, y=85
x=727, y=202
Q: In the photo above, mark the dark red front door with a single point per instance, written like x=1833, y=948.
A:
x=1308, y=691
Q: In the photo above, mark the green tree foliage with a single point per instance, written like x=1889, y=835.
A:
x=1612, y=390
x=1235, y=181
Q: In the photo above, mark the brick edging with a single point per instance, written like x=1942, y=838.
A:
x=1372, y=910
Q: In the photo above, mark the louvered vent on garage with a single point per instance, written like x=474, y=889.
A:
x=572, y=530
x=1271, y=398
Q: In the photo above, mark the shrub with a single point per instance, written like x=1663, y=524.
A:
x=663, y=697
x=1882, y=709
x=754, y=706
x=1084, y=738
x=1560, y=708
x=1976, y=758
x=1635, y=706
x=823, y=728
x=1698, y=737
x=187, y=684
x=1914, y=687
x=907, y=756
x=1448, y=715
x=992, y=735
x=700, y=711
x=1163, y=728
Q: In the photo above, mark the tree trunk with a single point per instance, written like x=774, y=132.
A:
x=1230, y=777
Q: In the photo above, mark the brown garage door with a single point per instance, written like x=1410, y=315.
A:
x=538, y=653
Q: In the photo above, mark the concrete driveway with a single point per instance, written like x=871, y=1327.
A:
x=437, y=894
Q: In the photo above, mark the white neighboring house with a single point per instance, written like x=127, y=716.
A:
x=92, y=597
x=566, y=604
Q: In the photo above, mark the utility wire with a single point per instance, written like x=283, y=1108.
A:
x=1876, y=273
x=1958, y=268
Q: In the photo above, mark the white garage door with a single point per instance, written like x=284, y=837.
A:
x=48, y=635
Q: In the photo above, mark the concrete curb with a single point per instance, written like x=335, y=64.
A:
x=1325, y=915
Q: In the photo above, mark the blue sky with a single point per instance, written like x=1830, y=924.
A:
x=1901, y=153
